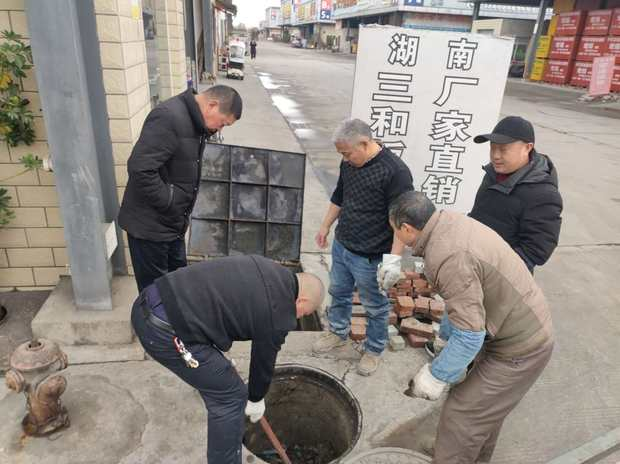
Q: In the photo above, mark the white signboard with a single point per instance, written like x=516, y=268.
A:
x=426, y=95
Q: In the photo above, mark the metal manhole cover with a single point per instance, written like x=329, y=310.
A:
x=389, y=456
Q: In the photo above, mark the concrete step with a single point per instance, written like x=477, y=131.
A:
x=59, y=319
x=93, y=354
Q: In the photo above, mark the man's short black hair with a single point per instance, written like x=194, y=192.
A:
x=413, y=208
x=229, y=99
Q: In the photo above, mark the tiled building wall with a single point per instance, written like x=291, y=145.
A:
x=33, y=253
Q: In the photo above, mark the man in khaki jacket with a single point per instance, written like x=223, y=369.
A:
x=495, y=314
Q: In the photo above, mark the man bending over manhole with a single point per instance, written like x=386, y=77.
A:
x=188, y=317
x=495, y=315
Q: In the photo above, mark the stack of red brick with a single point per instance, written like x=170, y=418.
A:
x=580, y=37
x=414, y=310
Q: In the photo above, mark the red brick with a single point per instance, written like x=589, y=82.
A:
x=358, y=332
x=358, y=321
x=437, y=309
x=415, y=341
x=356, y=298
x=404, y=306
x=422, y=305
x=411, y=325
x=358, y=311
x=392, y=292
x=413, y=275
x=392, y=318
x=404, y=284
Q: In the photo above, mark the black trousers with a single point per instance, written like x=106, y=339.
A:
x=222, y=390
x=154, y=259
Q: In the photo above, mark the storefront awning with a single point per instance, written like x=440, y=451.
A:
x=227, y=5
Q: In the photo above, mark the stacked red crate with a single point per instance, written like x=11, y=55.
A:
x=593, y=43
x=613, y=47
x=564, y=47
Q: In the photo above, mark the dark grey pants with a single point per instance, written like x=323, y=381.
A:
x=222, y=390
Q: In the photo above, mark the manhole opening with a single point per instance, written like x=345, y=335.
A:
x=314, y=415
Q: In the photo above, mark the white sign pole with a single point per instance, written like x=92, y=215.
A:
x=427, y=94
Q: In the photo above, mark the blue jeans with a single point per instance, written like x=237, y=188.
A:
x=349, y=270
x=222, y=390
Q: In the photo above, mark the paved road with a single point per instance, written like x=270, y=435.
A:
x=577, y=398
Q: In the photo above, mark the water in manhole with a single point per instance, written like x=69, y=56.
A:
x=315, y=416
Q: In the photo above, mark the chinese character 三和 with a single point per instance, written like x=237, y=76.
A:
x=386, y=118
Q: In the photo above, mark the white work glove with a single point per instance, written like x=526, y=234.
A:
x=426, y=386
x=255, y=410
x=388, y=272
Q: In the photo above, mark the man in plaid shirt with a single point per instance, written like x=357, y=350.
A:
x=371, y=176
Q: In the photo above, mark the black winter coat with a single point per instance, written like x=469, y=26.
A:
x=524, y=209
x=238, y=298
x=164, y=171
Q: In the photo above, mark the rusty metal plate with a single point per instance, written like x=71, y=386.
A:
x=209, y=238
x=216, y=162
x=285, y=205
x=212, y=201
x=249, y=165
x=286, y=169
x=247, y=238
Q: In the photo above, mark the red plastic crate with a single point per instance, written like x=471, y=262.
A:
x=558, y=71
x=613, y=47
x=582, y=73
x=615, y=80
x=598, y=22
x=614, y=29
x=564, y=48
x=591, y=47
x=571, y=23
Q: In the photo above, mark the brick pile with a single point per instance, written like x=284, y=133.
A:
x=414, y=309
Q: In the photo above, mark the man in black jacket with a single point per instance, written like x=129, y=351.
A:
x=164, y=175
x=519, y=197
x=188, y=317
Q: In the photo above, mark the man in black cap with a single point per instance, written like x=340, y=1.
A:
x=186, y=317
x=519, y=197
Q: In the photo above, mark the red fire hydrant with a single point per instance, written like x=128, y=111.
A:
x=33, y=367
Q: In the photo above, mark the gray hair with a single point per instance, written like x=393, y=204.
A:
x=413, y=208
x=352, y=131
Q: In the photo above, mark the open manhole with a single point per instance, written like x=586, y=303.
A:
x=315, y=416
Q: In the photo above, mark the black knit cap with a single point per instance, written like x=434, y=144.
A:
x=508, y=130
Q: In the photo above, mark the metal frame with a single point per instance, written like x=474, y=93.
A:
x=230, y=220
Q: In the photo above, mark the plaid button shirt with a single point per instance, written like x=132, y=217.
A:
x=364, y=195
